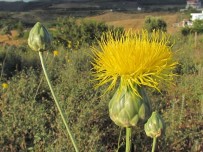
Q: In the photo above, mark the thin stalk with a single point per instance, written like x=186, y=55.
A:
x=119, y=138
x=57, y=103
x=2, y=70
x=154, y=144
x=41, y=80
x=182, y=109
x=128, y=140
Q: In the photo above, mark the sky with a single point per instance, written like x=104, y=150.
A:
x=17, y=0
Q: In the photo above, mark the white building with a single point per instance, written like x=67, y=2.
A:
x=197, y=16
x=193, y=4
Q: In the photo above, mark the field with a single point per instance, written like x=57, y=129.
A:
x=136, y=21
x=126, y=20
x=29, y=118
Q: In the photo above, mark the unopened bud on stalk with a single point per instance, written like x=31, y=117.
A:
x=39, y=38
x=127, y=109
x=154, y=127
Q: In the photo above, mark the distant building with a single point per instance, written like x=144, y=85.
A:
x=186, y=22
x=197, y=16
x=139, y=8
x=193, y=4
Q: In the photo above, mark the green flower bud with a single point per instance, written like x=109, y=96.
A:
x=126, y=109
x=39, y=38
x=154, y=126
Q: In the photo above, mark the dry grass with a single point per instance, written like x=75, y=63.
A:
x=126, y=20
x=11, y=39
x=136, y=21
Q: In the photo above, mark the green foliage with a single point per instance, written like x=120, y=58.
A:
x=15, y=59
x=73, y=35
x=185, y=31
x=29, y=120
x=154, y=23
x=21, y=113
x=6, y=30
x=94, y=30
x=67, y=30
x=197, y=26
x=20, y=29
x=7, y=23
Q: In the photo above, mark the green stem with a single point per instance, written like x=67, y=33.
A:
x=154, y=144
x=40, y=82
x=119, y=139
x=56, y=102
x=2, y=70
x=128, y=140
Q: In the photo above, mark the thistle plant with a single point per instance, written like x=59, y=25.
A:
x=133, y=61
x=154, y=127
x=39, y=40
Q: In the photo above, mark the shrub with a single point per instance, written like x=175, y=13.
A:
x=185, y=31
x=154, y=23
x=197, y=26
x=15, y=59
x=73, y=35
x=68, y=32
x=6, y=30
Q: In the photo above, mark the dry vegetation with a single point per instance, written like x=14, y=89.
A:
x=30, y=118
x=136, y=20
x=11, y=39
x=126, y=20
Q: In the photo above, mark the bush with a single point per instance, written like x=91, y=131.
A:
x=155, y=23
x=68, y=33
x=14, y=59
x=197, y=26
x=73, y=35
x=185, y=31
x=6, y=30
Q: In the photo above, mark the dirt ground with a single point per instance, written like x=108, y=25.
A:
x=11, y=39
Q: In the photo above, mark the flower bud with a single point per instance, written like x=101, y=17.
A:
x=39, y=38
x=126, y=108
x=154, y=126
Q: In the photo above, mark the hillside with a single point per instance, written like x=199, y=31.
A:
x=136, y=20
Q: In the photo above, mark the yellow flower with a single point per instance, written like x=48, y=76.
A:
x=4, y=85
x=69, y=46
x=133, y=59
x=56, y=53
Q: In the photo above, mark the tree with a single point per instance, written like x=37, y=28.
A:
x=197, y=26
x=155, y=23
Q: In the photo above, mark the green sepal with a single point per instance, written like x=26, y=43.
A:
x=155, y=126
x=39, y=38
x=127, y=109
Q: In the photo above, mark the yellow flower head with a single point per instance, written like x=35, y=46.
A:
x=133, y=58
x=69, y=46
x=56, y=53
x=4, y=85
